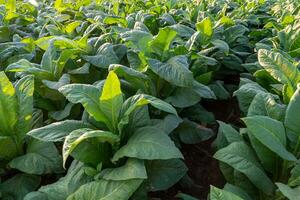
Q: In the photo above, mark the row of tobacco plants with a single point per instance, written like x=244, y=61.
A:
x=98, y=97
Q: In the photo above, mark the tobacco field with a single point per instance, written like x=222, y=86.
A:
x=149, y=100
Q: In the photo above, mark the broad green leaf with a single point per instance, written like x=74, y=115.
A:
x=205, y=27
x=57, y=131
x=234, y=32
x=61, y=61
x=175, y=70
x=137, y=39
x=246, y=93
x=289, y=193
x=137, y=101
x=79, y=135
x=8, y=106
x=163, y=174
x=239, y=156
x=168, y=124
x=106, y=190
x=111, y=99
x=136, y=78
x=280, y=68
x=218, y=194
x=271, y=133
x=115, y=20
x=133, y=169
x=238, y=191
x=190, y=132
x=29, y=68
x=183, y=97
x=72, y=26
x=11, y=7
x=88, y=96
x=24, y=92
x=148, y=143
x=294, y=179
x=291, y=120
x=163, y=40
x=229, y=133
x=61, y=114
x=265, y=104
x=104, y=57
x=183, y=31
x=18, y=186
x=65, y=186
x=266, y=156
x=40, y=158
x=48, y=60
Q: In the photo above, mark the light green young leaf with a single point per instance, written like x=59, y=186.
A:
x=111, y=99
x=163, y=40
x=115, y=20
x=8, y=106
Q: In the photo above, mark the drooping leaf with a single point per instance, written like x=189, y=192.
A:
x=57, y=131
